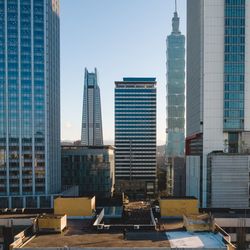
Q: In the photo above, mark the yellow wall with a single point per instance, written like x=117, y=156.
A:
x=79, y=206
x=178, y=207
x=56, y=223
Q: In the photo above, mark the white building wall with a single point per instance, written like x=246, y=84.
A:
x=205, y=75
x=213, y=82
x=213, y=75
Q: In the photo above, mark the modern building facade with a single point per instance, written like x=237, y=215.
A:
x=135, y=136
x=175, y=91
x=218, y=82
x=91, y=111
x=91, y=168
x=228, y=180
x=175, y=176
x=29, y=102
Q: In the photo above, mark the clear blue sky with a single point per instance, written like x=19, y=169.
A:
x=120, y=38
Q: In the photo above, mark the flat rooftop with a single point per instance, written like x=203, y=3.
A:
x=17, y=216
x=195, y=240
x=139, y=79
x=133, y=228
x=227, y=212
x=78, y=234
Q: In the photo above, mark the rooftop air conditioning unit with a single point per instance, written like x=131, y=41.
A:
x=100, y=226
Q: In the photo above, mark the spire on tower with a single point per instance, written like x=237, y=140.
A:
x=175, y=20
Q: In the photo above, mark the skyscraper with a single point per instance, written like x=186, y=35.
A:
x=175, y=90
x=175, y=109
x=218, y=83
x=135, y=136
x=91, y=111
x=29, y=102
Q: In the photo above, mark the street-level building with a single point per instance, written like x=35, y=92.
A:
x=91, y=168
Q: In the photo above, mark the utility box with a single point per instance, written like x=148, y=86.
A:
x=77, y=207
x=51, y=223
x=198, y=222
x=177, y=207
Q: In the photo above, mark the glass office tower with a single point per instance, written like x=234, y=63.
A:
x=135, y=136
x=29, y=102
x=91, y=111
x=175, y=90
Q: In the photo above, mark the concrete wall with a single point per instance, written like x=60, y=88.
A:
x=74, y=207
x=213, y=82
x=178, y=207
x=194, y=67
x=55, y=223
x=193, y=176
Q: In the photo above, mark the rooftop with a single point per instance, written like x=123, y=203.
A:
x=178, y=198
x=139, y=79
x=195, y=240
x=74, y=146
x=227, y=212
x=78, y=234
x=133, y=226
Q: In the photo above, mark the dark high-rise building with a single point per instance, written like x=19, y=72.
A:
x=91, y=111
x=29, y=102
x=135, y=136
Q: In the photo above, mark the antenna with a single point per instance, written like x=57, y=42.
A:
x=175, y=5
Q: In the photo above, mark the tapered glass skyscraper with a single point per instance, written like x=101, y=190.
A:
x=29, y=102
x=175, y=90
x=91, y=111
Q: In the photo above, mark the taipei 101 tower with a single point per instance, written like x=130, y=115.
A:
x=175, y=109
x=175, y=89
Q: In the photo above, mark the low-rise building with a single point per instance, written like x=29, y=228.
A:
x=228, y=180
x=132, y=226
x=236, y=222
x=89, y=167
